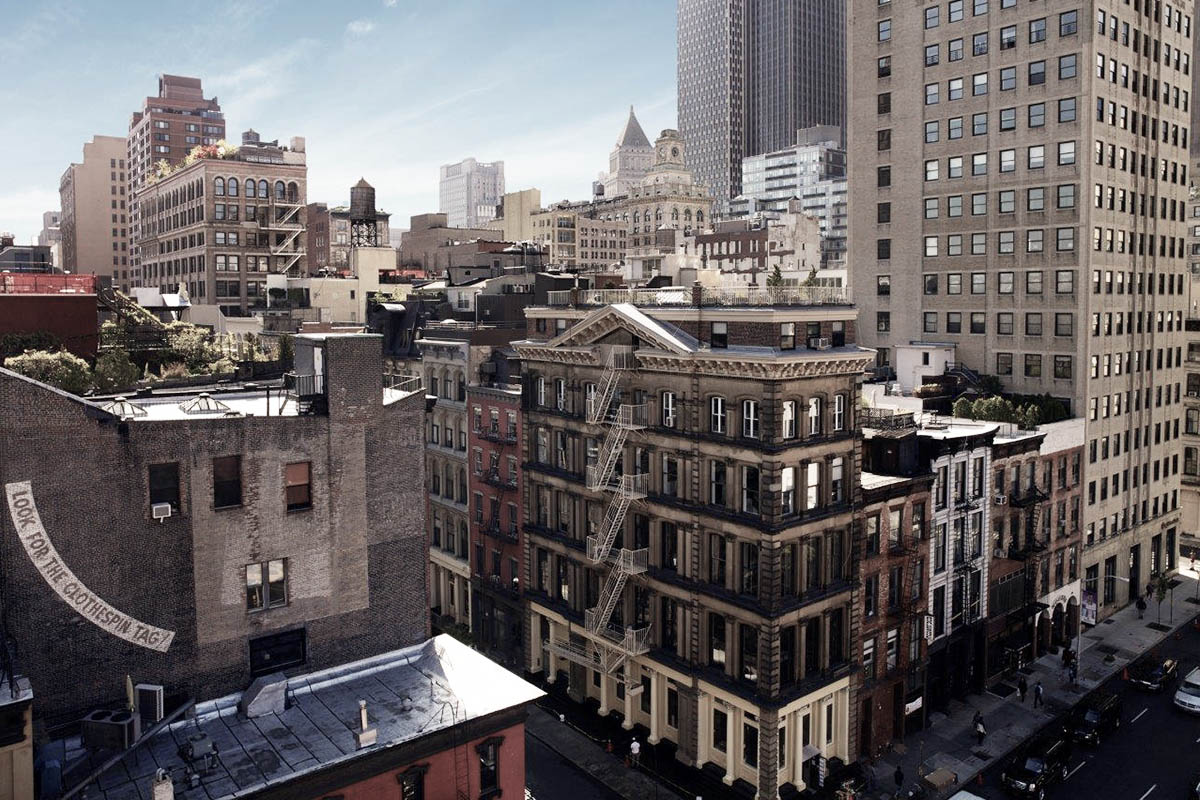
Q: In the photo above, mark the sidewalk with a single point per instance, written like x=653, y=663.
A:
x=1104, y=650
x=608, y=768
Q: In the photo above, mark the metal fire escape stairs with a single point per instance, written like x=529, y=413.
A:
x=611, y=646
x=284, y=227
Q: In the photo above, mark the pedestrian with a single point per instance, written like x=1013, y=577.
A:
x=1141, y=607
x=1023, y=687
x=1037, y=694
x=635, y=752
x=980, y=731
x=899, y=778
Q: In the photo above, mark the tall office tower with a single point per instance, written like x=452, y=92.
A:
x=94, y=226
x=469, y=191
x=166, y=129
x=1049, y=163
x=750, y=74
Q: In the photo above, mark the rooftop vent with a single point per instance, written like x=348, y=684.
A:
x=123, y=408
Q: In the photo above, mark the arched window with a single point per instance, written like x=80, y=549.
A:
x=219, y=187
x=448, y=477
x=293, y=193
x=658, y=214
x=674, y=215
x=233, y=187
x=280, y=191
x=262, y=190
x=687, y=215
x=636, y=218
x=699, y=216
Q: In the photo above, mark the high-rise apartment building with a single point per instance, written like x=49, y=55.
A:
x=469, y=191
x=750, y=74
x=1049, y=164
x=94, y=225
x=169, y=125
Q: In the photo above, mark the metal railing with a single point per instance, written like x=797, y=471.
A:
x=403, y=383
x=40, y=283
x=304, y=385
x=887, y=419
x=630, y=561
x=632, y=487
x=684, y=296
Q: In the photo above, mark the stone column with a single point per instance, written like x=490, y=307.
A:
x=603, y=709
x=550, y=668
x=630, y=674
x=731, y=745
x=656, y=706
x=768, y=754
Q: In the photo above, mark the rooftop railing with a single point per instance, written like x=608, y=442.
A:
x=750, y=296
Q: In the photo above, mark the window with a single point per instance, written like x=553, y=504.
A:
x=1066, y=109
x=227, y=481
x=1008, y=201
x=814, y=416
x=1004, y=363
x=1008, y=79
x=1066, y=195
x=954, y=128
x=1065, y=239
x=979, y=83
x=954, y=205
x=1004, y=323
x=979, y=126
x=931, y=246
x=1037, y=115
x=931, y=17
x=1037, y=30
x=1034, y=240
x=1036, y=156
x=1068, y=23
x=1035, y=199
x=953, y=322
x=1005, y=282
x=787, y=336
x=931, y=170
x=489, y=765
x=931, y=99
x=719, y=336
x=883, y=177
x=164, y=485
x=1066, y=67
x=930, y=323
x=412, y=783
x=750, y=477
x=885, y=31
x=717, y=414
x=954, y=89
x=298, y=478
x=884, y=65
x=883, y=321
x=1062, y=367
x=931, y=134
x=931, y=55
x=979, y=164
x=720, y=727
x=266, y=585
x=954, y=167
x=789, y=419
x=1004, y=242
x=839, y=412
x=1008, y=37
x=978, y=283
x=1064, y=281
x=883, y=103
x=1008, y=160
x=883, y=139
x=668, y=409
x=978, y=322
x=1008, y=119
x=1037, y=73
x=1033, y=323
x=750, y=419
x=1033, y=365
x=1064, y=324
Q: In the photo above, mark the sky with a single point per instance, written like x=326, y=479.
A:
x=388, y=90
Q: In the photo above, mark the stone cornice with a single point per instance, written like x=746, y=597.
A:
x=740, y=365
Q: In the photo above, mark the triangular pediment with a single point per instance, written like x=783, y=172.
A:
x=600, y=326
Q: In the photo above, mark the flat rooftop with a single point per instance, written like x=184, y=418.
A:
x=410, y=693
x=682, y=296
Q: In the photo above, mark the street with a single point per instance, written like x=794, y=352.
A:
x=1152, y=755
x=548, y=776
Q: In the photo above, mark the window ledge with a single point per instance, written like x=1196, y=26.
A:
x=300, y=509
x=228, y=508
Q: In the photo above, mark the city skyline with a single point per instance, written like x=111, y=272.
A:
x=275, y=72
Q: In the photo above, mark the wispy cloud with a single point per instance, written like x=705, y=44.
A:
x=360, y=27
x=246, y=89
x=21, y=210
x=389, y=3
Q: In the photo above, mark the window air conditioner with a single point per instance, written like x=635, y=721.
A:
x=160, y=511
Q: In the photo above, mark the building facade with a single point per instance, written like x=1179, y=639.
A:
x=690, y=472
x=750, y=75
x=1049, y=161
x=629, y=160
x=575, y=241
x=427, y=242
x=284, y=530
x=752, y=251
x=218, y=226
x=168, y=126
x=469, y=191
x=497, y=541
x=95, y=224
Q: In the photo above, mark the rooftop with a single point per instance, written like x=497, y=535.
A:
x=410, y=693
x=685, y=296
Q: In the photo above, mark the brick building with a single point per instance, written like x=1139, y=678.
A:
x=497, y=543
x=213, y=537
x=219, y=225
x=690, y=475
x=893, y=594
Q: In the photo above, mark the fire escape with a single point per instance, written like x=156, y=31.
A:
x=1031, y=550
x=285, y=227
x=612, y=645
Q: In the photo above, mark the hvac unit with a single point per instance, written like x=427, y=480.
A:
x=149, y=699
x=820, y=343
x=109, y=730
x=160, y=511
x=1001, y=499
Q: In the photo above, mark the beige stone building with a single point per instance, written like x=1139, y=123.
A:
x=1018, y=183
x=690, y=474
x=575, y=241
x=95, y=225
x=219, y=225
x=515, y=223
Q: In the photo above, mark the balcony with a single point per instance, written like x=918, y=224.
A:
x=631, y=487
x=630, y=641
x=631, y=562
x=497, y=530
x=505, y=483
x=494, y=434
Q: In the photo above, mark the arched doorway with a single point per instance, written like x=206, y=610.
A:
x=1058, y=625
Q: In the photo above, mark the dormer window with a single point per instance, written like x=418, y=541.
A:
x=719, y=336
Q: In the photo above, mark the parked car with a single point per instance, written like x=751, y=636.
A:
x=1095, y=717
x=1194, y=787
x=1039, y=765
x=1153, y=674
x=1187, y=696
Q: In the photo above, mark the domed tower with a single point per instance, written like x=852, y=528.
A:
x=669, y=162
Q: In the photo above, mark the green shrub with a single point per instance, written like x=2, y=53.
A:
x=59, y=369
x=114, y=371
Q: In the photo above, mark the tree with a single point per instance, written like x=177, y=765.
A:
x=59, y=369
x=193, y=345
x=114, y=371
x=287, y=350
x=964, y=407
x=1161, y=586
x=776, y=278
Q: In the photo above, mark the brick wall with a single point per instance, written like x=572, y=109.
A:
x=356, y=558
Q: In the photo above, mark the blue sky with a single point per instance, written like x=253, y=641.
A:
x=384, y=89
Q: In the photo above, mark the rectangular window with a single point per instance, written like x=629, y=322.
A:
x=489, y=766
x=717, y=415
x=750, y=419
x=266, y=585
x=298, y=478
x=227, y=481
x=719, y=335
x=164, y=485
x=787, y=336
